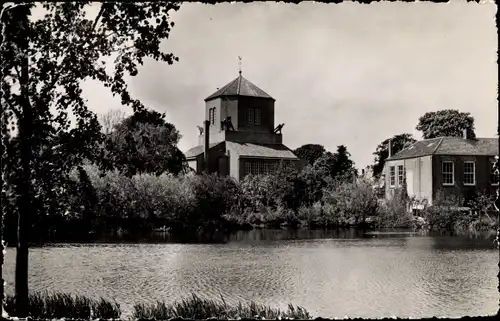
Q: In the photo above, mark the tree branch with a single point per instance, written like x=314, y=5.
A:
x=101, y=11
x=13, y=108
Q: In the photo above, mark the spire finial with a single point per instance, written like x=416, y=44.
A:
x=239, y=63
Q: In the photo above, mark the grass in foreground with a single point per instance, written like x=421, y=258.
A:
x=61, y=305
x=197, y=308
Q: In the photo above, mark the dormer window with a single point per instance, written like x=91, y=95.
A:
x=254, y=116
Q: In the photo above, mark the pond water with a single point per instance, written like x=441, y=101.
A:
x=330, y=273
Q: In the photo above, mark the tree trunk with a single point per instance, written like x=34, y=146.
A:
x=24, y=186
x=1, y=266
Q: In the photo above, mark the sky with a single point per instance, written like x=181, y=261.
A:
x=351, y=74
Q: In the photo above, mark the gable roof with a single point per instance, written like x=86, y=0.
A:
x=449, y=146
x=239, y=87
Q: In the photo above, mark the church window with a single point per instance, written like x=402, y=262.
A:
x=262, y=167
x=211, y=116
x=254, y=116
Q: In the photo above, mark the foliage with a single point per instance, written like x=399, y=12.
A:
x=394, y=212
x=214, y=196
x=447, y=122
x=141, y=201
x=272, y=190
x=318, y=215
x=482, y=203
x=343, y=166
x=256, y=189
x=185, y=204
x=310, y=184
x=310, y=152
x=47, y=305
x=198, y=308
x=447, y=214
x=398, y=143
x=47, y=60
x=350, y=201
x=110, y=119
x=335, y=165
x=144, y=148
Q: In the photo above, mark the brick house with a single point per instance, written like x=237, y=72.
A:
x=239, y=135
x=443, y=166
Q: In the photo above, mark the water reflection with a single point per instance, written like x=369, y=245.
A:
x=331, y=273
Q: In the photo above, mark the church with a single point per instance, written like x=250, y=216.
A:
x=239, y=136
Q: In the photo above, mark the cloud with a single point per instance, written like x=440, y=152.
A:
x=347, y=74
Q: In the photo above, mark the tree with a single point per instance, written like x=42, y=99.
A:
x=112, y=118
x=310, y=152
x=45, y=62
x=447, y=122
x=309, y=185
x=398, y=143
x=144, y=143
x=335, y=165
x=343, y=166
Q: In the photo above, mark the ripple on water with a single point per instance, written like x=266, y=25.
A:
x=404, y=276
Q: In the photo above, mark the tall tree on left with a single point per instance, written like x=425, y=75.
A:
x=47, y=127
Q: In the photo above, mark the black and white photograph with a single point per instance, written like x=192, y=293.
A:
x=249, y=160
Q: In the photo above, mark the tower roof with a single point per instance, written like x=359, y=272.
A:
x=239, y=87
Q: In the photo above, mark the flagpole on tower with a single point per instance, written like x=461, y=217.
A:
x=239, y=64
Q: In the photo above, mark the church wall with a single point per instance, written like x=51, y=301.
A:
x=229, y=108
x=267, y=114
x=214, y=128
x=223, y=165
x=253, y=137
x=214, y=154
x=193, y=164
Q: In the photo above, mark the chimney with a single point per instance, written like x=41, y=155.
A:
x=465, y=134
x=390, y=148
x=206, y=130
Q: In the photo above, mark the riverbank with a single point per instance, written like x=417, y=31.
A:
x=209, y=206
x=260, y=234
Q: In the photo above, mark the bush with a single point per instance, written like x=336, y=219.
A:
x=445, y=214
x=316, y=215
x=394, y=212
x=197, y=308
x=349, y=202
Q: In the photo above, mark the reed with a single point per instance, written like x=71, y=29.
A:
x=195, y=307
x=47, y=305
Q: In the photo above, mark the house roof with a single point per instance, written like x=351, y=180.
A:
x=195, y=151
x=248, y=150
x=261, y=150
x=449, y=146
x=239, y=87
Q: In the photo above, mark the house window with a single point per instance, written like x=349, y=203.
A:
x=469, y=173
x=254, y=117
x=401, y=175
x=448, y=172
x=494, y=177
x=392, y=176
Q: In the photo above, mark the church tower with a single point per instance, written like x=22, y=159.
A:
x=242, y=135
